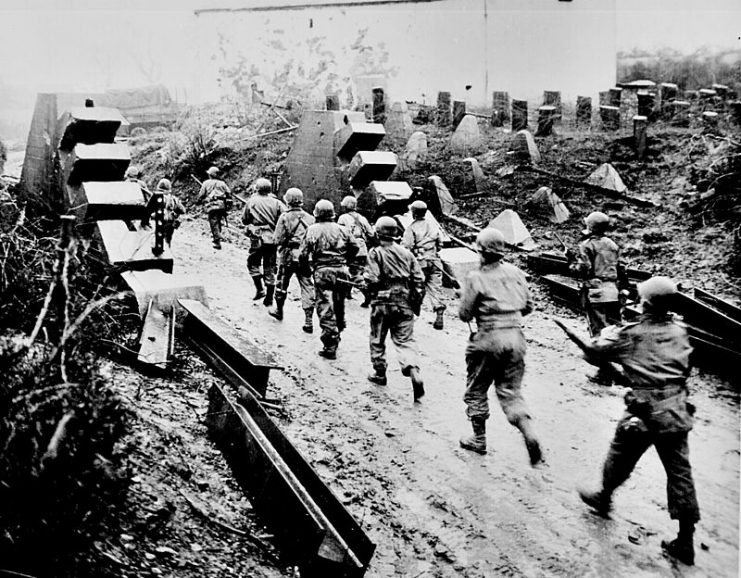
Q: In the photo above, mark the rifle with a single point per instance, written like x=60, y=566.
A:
x=616, y=373
x=565, y=247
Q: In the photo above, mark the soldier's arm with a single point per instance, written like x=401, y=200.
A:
x=281, y=232
x=407, y=240
x=418, y=278
x=201, y=193
x=304, y=251
x=372, y=271
x=351, y=245
x=609, y=346
x=529, y=303
x=469, y=297
x=247, y=214
x=583, y=261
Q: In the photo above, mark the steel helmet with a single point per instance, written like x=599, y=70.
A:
x=294, y=197
x=164, y=185
x=349, y=203
x=386, y=228
x=324, y=210
x=263, y=185
x=132, y=172
x=419, y=208
x=597, y=222
x=657, y=291
x=212, y=171
x=490, y=241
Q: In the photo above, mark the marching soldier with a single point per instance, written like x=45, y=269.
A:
x=362, y=232
x=133, y=174
x=328, y=247
x=423, y=238
x=395, y=284
x=218, y=201
x=289, y=232
x=496, y=296
x=597, y=264
x=173, y=209
x=260, y=215
x=654, y=353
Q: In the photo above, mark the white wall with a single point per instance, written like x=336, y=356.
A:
x=521, y=46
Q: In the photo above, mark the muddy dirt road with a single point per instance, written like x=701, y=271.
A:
x=437, y=510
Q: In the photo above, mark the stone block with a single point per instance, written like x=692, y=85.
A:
x=444, y=115
x=610, y=116
x=333, y=102
x=553, y=98
x=89, y=125
x=399, y=124
x=357, y=136
x=103, y=201
x=367, y=166
x=615, y=96
x=459, y=262
x=384, y=197
x=467, y=137
x=546, y=118
x=98, y=162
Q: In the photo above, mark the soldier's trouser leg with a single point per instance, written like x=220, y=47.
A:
x=402, y=336
x=674, y=453
x=307, y=292
x=323, y=290
x=600, y=315
x=378, y=331
x=434, y=286
x=626, y=449
x=214, y=221
x=268, y=263
x=254, y=259
x=283, y=274
x=480, y=373
x=338, y=304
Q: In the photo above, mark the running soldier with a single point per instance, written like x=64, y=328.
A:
x=395, y=284
x=328, y=247
x=218, y=198
x=363, y=233
x=173, y=209
x=597, y=264
x=496, y=296
x=423, y=238
x=260, y=215
x=654, y=353
x=289, y=232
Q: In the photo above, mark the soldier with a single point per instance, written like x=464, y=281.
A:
x=133, y=174
x=218, y=201
x=261, y=214
x=654, y=353
x=423, y=238
x=497, y=296
x=363, y=233
x=597, y=264
x=328, y=247
x=173, y=209
x=395, y=284
x=289, y=232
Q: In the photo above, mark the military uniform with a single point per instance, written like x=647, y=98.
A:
x=173, y=209
x=289, y=232
x=216, y=193
x=261, y=214
x=654, y=353
x=423, y=238
x=391, y=274
x=496, y=296
x=362, y=231
x=329, y=247
x=597, y=263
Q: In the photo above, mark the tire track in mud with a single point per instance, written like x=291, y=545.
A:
x=437, y=510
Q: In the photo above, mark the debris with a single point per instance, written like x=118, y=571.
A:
x=514, y=230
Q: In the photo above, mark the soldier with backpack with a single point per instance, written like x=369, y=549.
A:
x=218, y=201
x=363, y=233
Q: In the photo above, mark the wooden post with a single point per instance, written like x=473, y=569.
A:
x=679, y=112
x=158, y=203
x=640, y=129
x=443, y=109
x=546, y=116
x=667, y=94
x=583, y=111
x=333, y=102
x=604, y=98
x=500, y=108
x=710, y=122
x=519, y=115
x=721, y=90
x=459, y=111
x=553, y=98
x=615, y=95
x=645, y=103
x=610, y=116
x=736, y=111
x=379, y=105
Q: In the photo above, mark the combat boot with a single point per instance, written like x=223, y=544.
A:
x=438, y=323
x=524, y=424
x=378, y=377
x=418, y=386
x=277, y=311
x=268, y=301
x=600, y=502
x=328, y=353
x=308, y=326
x=476, y=442
x=682, y=547
x=259, y=291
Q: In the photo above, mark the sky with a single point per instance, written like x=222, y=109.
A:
x=94, y=44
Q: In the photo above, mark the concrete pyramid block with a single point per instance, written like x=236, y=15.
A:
x=357, y=136
x=514, y=230
x=367, y=166
x=607, y=177
x=467, y=137
x=398, y=121
x=479, y=178
x=547, y=203
x=415, y=152
x=525, y=148
x=447, y=204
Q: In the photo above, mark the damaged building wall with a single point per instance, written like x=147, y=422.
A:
x=420, y=47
